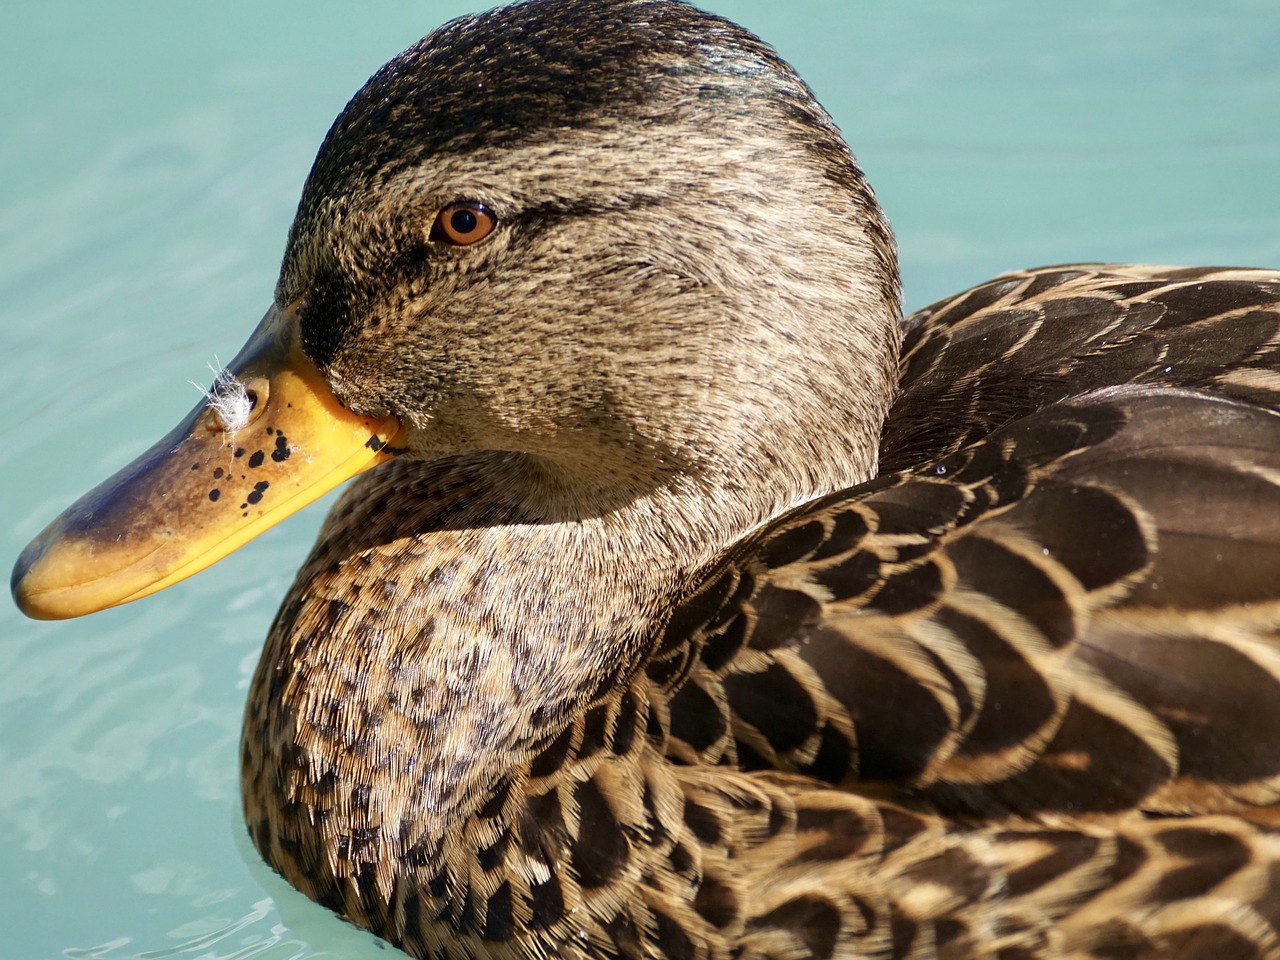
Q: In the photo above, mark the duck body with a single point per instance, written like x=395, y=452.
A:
x=699, y=607
x=929, y=715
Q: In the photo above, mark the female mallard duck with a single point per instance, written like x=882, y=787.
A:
x=688, y=618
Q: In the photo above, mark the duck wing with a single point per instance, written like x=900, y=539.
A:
x=1007, y=348
x=787, y=869
x=1076, y=611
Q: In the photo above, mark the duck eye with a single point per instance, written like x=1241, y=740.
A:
x=463, y=223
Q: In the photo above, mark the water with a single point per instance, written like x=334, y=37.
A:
x=151, y=156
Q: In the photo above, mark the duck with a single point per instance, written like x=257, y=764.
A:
x=690, y=603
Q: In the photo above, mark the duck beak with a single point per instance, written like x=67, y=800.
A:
x=270, y=439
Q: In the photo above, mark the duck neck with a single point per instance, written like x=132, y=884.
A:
x=453, y=624
x=436, y=637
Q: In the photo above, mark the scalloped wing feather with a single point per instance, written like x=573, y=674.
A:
x=1075, y=612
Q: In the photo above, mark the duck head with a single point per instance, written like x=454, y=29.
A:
x=617, y=237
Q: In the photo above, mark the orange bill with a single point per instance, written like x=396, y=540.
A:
x=272, y=440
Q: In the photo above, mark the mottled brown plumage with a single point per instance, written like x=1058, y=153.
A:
x=1017, y=696
x=677, y=630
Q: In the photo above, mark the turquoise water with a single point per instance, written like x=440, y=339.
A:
x=151, y=155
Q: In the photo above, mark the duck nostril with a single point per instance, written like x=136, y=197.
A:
x=233, y=403
x=255, y=392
